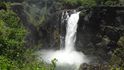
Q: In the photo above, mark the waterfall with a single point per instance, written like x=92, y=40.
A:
x=71, y=30
x=67, y=58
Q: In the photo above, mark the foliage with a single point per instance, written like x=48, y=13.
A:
x=81, y=2
x=12, y=35
x=92, y=3
x=112, y=3
x=117, y=58
x=6, y=64
x=31, y=64
x=3, y=6
x=121, y=41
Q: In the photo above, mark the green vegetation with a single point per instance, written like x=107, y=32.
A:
x=7, y=64
x=117, y=58
x=92, y=3
x=13, y=53
x=11, y=35
x=80, y=2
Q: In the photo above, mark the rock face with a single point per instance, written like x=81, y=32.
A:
x=95, y=67
x=51, y=31
x=99, y=31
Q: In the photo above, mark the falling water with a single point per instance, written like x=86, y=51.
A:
x=71, y=31
x=67, y=58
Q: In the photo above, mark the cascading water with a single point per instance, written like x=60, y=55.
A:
x=67, y=58
x=71, y=31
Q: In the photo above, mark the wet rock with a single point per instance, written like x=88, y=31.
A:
x=94, y=67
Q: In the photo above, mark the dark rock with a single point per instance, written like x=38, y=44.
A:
x=94, y=67
x=99, y=31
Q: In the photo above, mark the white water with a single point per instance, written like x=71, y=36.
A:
x=67, y=58
x=71, y=32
